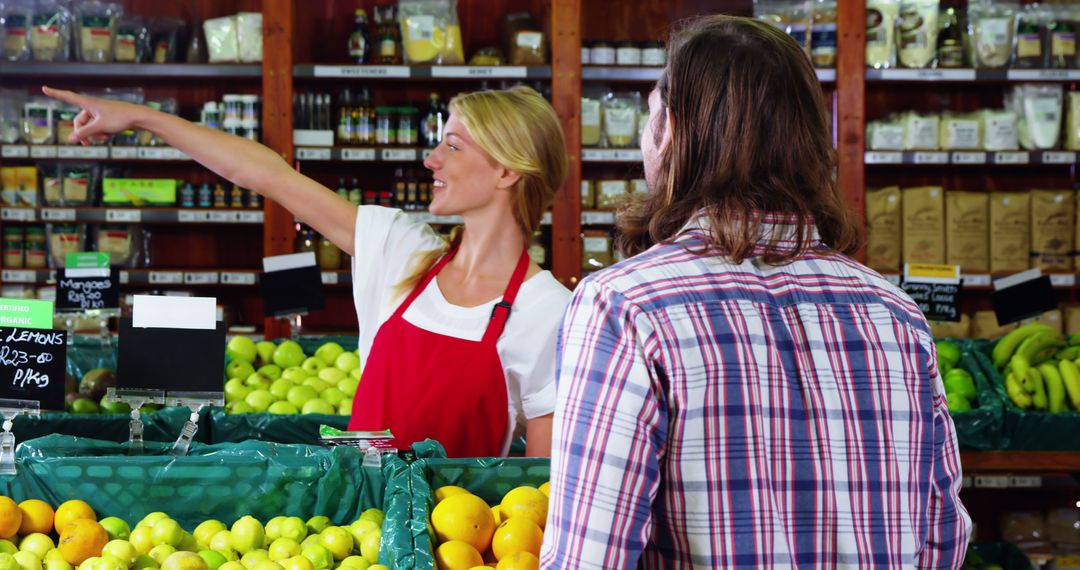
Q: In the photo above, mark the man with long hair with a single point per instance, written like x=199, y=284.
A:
x=741, y=393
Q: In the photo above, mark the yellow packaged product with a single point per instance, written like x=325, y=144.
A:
x=1010, y=231
x=967, y=231
x=1053, y=216
x=883, y=229
x=610, y=194
x=923, y=224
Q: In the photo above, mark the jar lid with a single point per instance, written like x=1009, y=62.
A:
x=232, y=98
x=210, y=106
x=249, y=98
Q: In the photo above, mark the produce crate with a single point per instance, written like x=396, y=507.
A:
x=978, y=428
x=163, y=425
x=224, y=482
x=1024, y=429
x=487, y=477
x=300, y=428
x=1004, y=554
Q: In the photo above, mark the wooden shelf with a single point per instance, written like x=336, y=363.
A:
x=169, y=277
x=1021, y=461
x=129, y=215
x=985, y=281
x=652, y=74
x=120, y=70
x=971, y=75
x=403, y=72
x=971, y=158
x=76, y=152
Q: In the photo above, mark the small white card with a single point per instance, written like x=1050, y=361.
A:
x=290, y=261
x=154, y=311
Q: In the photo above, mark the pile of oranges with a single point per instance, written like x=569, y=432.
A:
x=27, y=530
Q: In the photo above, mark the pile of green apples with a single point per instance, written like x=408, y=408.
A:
x=87, y=396
x=960, y=392
x=281, y=379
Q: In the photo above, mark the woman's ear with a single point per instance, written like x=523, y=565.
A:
x=507, y=178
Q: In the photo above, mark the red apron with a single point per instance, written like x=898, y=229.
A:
x=421, y=384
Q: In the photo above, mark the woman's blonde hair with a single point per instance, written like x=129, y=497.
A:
x=521, y=132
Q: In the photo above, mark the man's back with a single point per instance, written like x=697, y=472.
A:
x=720, y=415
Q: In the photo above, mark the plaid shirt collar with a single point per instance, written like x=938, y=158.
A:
x=782, y=224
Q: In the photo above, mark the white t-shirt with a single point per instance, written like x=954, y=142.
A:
x=385, y=242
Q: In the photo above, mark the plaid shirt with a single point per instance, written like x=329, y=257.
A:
x=719, y=415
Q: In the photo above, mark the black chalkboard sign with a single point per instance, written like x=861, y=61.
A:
x=937, y=301
x=87, y=293
x=1024, y=300
x=32, y=366
x=295, y=291
x=180, y=360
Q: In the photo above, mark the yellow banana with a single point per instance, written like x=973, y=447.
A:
x=1033, y=351
x=1070, y=353
x=1055, y=387
x=1009, y=343
x=1070, y=374
x=1038, y=398
x=1017, y=393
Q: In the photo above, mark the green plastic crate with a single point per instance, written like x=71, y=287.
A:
x=487, y=477
x=224, y=482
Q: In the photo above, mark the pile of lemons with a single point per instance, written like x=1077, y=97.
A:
x=471, y=535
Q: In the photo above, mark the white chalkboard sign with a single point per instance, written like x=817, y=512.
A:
x=32, y=366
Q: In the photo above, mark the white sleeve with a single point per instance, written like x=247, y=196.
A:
x=386, y=240
x=531, y=355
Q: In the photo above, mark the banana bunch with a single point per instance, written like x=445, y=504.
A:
x=1041, y=369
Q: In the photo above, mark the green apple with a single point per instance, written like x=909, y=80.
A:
x=30, y=561
x=221, y=541
x=288, y=353
x=315, y=383
x=240, y=408
x=121, y=549
x=283, y=408
x=140, y=538
x=357, y=562
x=355, y=374
x=271, y=371
x=329, y=352
x=38, y=544
x=167, y=531
x=116, y=528
x=369, y=547
x=300, y=395
x=359, y=529
x=332, y=375
x=239, y=369
x=294, y=528
x=283, y=548
x=265, y=349
x=313, y=365
x=258, y=381
x=184, y=560
x=110, y=562
x=280, y=388
x=206, y=531
x=8, y=562
x=296, y=563
x=236, y=390
x=253, y=557
x=233, y=565
x=144, y=562
x=241, y=348
x=109, y=407
x=318, y=523
x=333, y=396
x=348, y=386
x=214, y=560
x=345, y=408
x=295, y=374
x=152, y=519
x=272, y=530
x=320, y=557
x=8, y=547
x=338, y=541
x=84, y=406
x=347, y=362
x=161, y=552
x=960, y=381
x=318, y=406
x=58, y=563
x=260, y=400
x=311, y=540
x=248, y=534
x=266, y=565
x=374, y=515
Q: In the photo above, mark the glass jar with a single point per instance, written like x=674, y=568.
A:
x=35, y=248
x=306, y=240
x=385, y=127
x=653, y=54
x=602, y=53
x=327, y=254
x=586, y=49
x=628, y=53
x=231, y=117
x=249, y=111
x=407, y=133
x=13, y=247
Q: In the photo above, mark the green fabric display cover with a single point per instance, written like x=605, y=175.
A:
x=279, y=428
x=980, y=427
x=486, y=477
x=1004, y=554
x=163, y=425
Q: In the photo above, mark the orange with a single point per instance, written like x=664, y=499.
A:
x=525, y=502
x=10, y=518
x=516, y=534
x=519, y=561
x=37, y=516
x=466, y=518
x=82, y=539
x=69, y=511
x=457, y=555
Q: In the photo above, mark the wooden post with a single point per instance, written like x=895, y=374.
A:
x=277, y=119
x=566, y=98
x=851, y=106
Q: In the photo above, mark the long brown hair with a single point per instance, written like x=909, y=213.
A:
x=749, y=136
x=521, y=132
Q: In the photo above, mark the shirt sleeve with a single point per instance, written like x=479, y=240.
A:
x=948, y=523
x=608, y=435
x=533, y=368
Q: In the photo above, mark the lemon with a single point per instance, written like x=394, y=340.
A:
x=519, y=561
x=466, y=518
x=449, y=491
x=457, y=555
x=525, y=502
x=516, y=534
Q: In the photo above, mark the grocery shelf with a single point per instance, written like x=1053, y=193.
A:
x=970, y=158
x=652, y=74
x=133, y=215
x=984, y=281
x=611, y=155
x=361, y=154
x=116, y=70
x=971, y=75
x=422, y=72
x=77, y=152
x=1020, y=461
x=238, y=277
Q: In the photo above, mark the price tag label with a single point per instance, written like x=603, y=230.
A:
x=32, y=365
x=58, y=214
x=597, y=155
x=15, y=151
x=446, y=220
x=1011, y=158
x=1063, y=280
x=597, y=218
x=166, y=277
x=192, y=216
x=361, y=154
x=236, y=278
x=935, y=288
x=978, y=280
x=466, y=71
x=878, y=157
x=931, y=158
x=545, y=220
x=201, y=278
x=87, y=283
x=1026, y=482
x=1058, y=157
x=124, y=152
x=255, y=217
x=18, y=276
x=630, y=155
x=291, y=285
x=17, y=214
x=219, y=217
x=123, y=216
x=992, y=481
x=151, y=153
x=174, y=154
x=43, y=151
x=309, y=153
x=969, y=158
x=372, y=71
x=92, y=152
x=399, y=154
x=329, y=278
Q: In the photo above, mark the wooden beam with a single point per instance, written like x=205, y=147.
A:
x=851, y=106
x=277, y=120
x=566, y=98
x=1021, y=461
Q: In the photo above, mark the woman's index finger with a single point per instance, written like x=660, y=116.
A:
x=65, y=96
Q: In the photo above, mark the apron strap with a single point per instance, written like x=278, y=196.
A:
x=500, y=313
x=435, y=269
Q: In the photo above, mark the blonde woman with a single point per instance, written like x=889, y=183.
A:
x=457, y=339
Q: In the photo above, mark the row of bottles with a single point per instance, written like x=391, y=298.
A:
x=363, y=124
x=379, y=44
x=218, y=197
x=407, y=193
